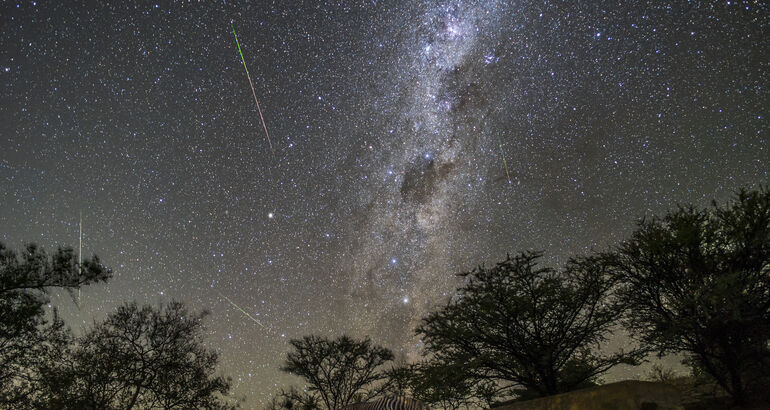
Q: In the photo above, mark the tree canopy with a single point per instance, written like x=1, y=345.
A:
x=441, y=385
x=141, y=357
x=293, y=399
x=26, y=336
x=698, y=281
x=341, y=371
x=520, y=325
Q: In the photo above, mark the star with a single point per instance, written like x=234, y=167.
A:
x=398, y=129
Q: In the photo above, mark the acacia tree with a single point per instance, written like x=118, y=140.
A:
x=294, y=399
x=340, y=371
x=27, y=339
x=436, y=384
x=141, y=358
x=521, y=325
x=698, y=282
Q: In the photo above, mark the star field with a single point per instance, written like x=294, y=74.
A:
x=413, y=140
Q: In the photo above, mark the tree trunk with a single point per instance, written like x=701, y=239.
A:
x=134, y=399
x=738, y=393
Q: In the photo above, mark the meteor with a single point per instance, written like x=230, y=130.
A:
x=254, y=93
x=502, y=154
x=80, y=251
x=80, y=256
x=239, y=308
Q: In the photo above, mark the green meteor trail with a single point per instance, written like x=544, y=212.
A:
x=254, y=93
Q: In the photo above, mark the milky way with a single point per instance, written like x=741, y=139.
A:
x=412, y=141
x=431, y=169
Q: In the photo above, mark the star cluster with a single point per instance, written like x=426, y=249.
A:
x=413, y=141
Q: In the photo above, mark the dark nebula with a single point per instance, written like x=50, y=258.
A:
x=422, y=178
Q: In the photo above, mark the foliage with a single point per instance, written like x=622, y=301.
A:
x=661, y=374
x=435, y=384
x=35, y=271
x=293, y=399
x=520, y=325
x=341, y=371
x=400, y=379
x=26, y=337
x=140, y=358
x=698, y=282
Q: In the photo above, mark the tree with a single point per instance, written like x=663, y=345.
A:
x=26, y=337
x=436, y=384
x=520, y=325
x=698, y=282
x=141, y=358
x=293, y=399
x=341, y=371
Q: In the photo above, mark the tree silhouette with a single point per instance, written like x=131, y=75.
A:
x=26, y=337
x=340, y=371
x=293, y=399
x=698, y=282
x=149, y=358
x=436, y=384
x=520, y=325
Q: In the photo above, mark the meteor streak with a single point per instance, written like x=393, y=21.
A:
x=80, y=251
x=242, y=311
x=254, y=93
x=502, y=154
x=80, y=256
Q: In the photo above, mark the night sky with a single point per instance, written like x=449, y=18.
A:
x=412, y=141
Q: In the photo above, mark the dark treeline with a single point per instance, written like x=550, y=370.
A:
x=694, y=282
x=139, y=357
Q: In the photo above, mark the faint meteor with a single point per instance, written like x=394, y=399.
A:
x=254, y=93
x=80, y=255
x=502, y=154
x=242, y=311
